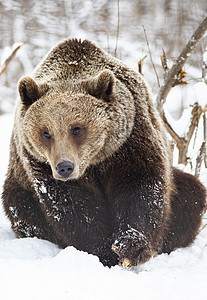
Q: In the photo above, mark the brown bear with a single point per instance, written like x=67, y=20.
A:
x=90, y=164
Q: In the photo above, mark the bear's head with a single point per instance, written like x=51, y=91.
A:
x=75, y=128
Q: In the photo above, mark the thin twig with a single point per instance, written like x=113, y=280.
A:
x=140, y=64
x=204, y=66
x=164, y=61
x=117, y=31
x=169, y=128
x=158, y=82
x=205, y=137
x=204, y=226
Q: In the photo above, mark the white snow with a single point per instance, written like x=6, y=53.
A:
x=180, y=126
x=181, y=97
x=37, y=269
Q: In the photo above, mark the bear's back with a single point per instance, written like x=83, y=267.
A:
x=71, y=59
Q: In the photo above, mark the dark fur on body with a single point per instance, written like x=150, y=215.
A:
x=128, y=196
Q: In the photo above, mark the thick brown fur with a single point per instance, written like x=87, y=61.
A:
x=119, y=196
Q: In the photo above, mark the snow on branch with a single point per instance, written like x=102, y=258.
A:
x=183, y=142
x=176, y=71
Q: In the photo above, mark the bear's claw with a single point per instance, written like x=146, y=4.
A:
x=126, y=263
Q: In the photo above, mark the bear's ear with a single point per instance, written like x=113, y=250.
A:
x=29, y=90
x=102, y=85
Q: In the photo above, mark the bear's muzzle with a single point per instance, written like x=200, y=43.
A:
x=65, y=169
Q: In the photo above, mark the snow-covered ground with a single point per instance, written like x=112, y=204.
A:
x=37, y=269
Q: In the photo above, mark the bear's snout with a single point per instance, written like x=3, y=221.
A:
x=65, y=169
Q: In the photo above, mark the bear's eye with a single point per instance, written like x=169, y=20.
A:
x=46, y=135
x=76, y=131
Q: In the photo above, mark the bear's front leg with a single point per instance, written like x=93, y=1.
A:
x=23, y=210
x=141, y=213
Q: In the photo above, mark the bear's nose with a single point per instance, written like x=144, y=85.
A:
x=65, y=168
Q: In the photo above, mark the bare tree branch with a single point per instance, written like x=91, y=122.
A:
x=173, y=77
x=169, y=128
x=183, y=143
x=7, y=61
x=179, y=63
x=183, y=146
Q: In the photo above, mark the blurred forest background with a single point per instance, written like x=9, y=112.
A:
x=41, y=24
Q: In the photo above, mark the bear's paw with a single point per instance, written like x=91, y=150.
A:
x=132, y=248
